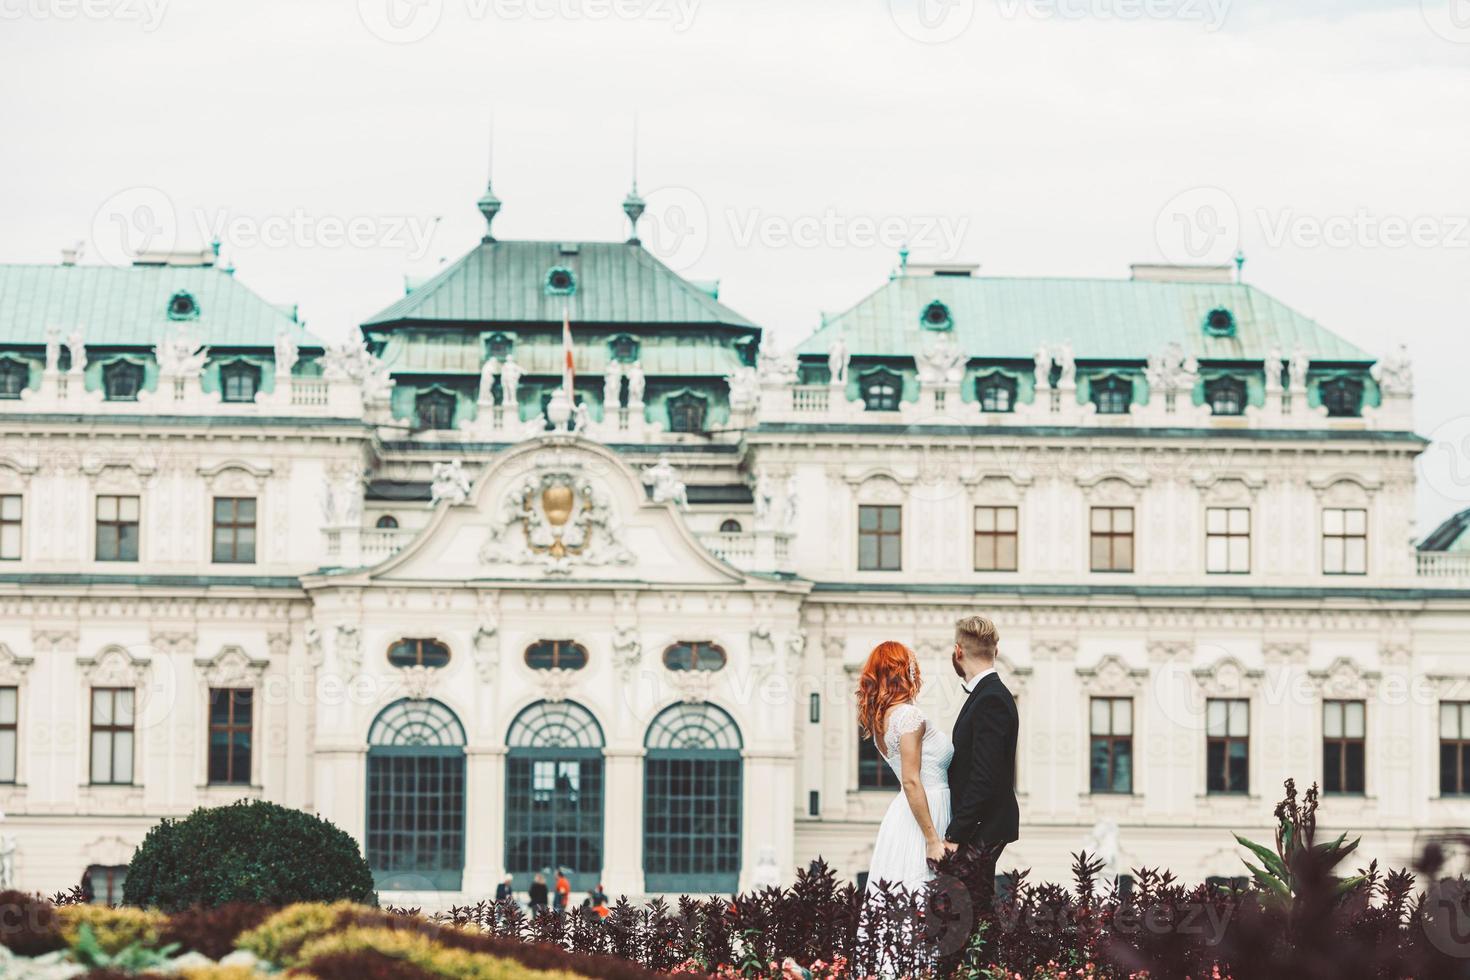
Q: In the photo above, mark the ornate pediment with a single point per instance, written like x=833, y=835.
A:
x=555, y=520
x=12, y=666
x=1345, y=679
x=231, y=667
x=1228, y=678
x=114, y=667
x=1112, y=676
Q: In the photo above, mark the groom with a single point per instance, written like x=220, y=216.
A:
x=982, y=774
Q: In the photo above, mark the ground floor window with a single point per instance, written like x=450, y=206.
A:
x=415, y=797
x=554, y=795
x=692, y=797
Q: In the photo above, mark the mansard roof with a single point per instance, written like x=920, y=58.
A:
x=1451, y=535
x=1103, y=319
x=614, y=283
x=128, y=306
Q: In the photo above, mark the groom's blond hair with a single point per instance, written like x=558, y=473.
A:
x=979, y=628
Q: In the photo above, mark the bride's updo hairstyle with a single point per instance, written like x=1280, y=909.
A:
x=891, y=676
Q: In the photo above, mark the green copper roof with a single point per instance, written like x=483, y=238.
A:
x=129, y=306
x=1104, y=319
x=613, y=282
x=411, y=350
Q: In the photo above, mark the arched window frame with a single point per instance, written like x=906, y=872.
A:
x=555, y=793
x=1112, y=394
x=692, y=749
x=15, y=377
x=688, y=412
x=434, y=409
x=419, y=744
x=996, y=383
x=623, y=348
x=881, y=390
x=386, y=522
x=499, y=346
x=731, y=526
x=1219, y=390
x=1342, y=396
x=122, y=380
x=232, y=378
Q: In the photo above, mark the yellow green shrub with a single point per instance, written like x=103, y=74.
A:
x=277, y=939
x=419, y=950
x=115, y=928
x=216, y=972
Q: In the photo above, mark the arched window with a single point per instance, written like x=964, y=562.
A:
x=418, y=652
x=881, y=391
x=624, y=348
x=996, y=393
x=387, y=522
x=730, y=526
x=694, y=656
x=556, y=655
x=691, y=801
x=554, y=793
x=415, y=797
x=121, y=381
x=499, y=347
x=14, y=377
x=239, y=381
x=686, y=413
x=1226, y=396
x=434, y=409
x=1112, y=395
x=1343, y=397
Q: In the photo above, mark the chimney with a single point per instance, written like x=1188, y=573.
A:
x=960, y=270
x=1149, y=272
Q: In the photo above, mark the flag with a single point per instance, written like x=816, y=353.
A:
x=567, y=372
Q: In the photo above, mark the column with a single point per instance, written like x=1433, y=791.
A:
x=622, y=826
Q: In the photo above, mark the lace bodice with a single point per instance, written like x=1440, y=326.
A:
x=936, y=747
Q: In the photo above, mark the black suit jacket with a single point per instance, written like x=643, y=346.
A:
x=982, y=774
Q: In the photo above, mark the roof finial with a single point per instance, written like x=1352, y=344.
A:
x=1239, y=265
x=488, y=203
x=633, y=205
x=903, y=257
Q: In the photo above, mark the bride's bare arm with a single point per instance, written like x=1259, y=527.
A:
x=911, y=752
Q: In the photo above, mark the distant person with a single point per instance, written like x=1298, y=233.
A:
x=504, y=892
x=563, y=890
x=597, y=902
x=537, y=893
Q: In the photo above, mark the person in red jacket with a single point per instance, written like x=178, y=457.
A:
x=563, y=890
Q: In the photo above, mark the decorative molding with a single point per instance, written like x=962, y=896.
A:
x=1162, y=651
x=279, y=644
x=114, y=666
x=1345, y=679
x=231, y=667
x=61, y=640
x=315, y=647
x=235, y=476
x=348, y=647
x=555, y=684
x=762, y=647
x=174, y=641
x=1228, y=678
x=1016, y=678
x=1053, y=648
x=1283, y=652
x=627, y=651
x=418, y=680
x=1112, y=676
x=13, y=667
x=486, y=644
x=693, y=686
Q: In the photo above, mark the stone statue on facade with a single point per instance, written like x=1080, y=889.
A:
x=1296, y=370
x=1394, y=372
x=776, y=369
x=667, y=487
x=53, y=349
x=790, y=515
x=636, y=383
x=1272, y=367
x=582, y=418
x=1043, y=368
x=488, y=372
x=510, y=381
x=838, y=359
x=744, y=389
x=765, y=499
x=612, y=387
x=941, y=363
x=180, y=356
x=76, y=346
x=1171, y=370
x=287, y=353
x=1067, y=362
x=450, y=482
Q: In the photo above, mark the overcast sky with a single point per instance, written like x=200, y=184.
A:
x=786, y=147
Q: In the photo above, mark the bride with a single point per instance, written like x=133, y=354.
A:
x=919, y=754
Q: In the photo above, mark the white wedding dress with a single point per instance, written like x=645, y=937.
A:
x=899, y=854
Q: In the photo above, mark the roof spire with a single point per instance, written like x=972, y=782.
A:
x=488, y=203
x=1239, y=265
x=633, y=205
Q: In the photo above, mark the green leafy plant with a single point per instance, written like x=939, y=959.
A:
x=1300, y=870
x=249, y=851
x=132, y=958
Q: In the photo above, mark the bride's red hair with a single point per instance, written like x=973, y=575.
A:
x=891, y=676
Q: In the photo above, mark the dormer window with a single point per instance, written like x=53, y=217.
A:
x=996, y=393
x=1343, y=397
x=499, y=347
x=121, y=381
x=1112, y=395
x=434, y=409
x=13, y=378
x=881, y=391
x=624, y=349
x=1220, y=323
x=560, y=282
x=936, y=317
x=182, y=306
x=1226, y=396
x=239, y=382
x=686, y=413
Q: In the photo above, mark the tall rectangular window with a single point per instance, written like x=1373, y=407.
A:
x=10, y=511
x=1111, y=752
x=1228, y=540
x=996, y=539
x=230, y=734
x=1454, y=748
x=880, y=537
x=1345, y=541
x=9, y=729
x=1112, y=539
x=112, y=735
x=117, y=528
x=1344, y=732
x=234, y=529
x=873, y=771
x=1227, y=745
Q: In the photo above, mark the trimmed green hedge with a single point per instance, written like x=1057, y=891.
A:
x=250, y=851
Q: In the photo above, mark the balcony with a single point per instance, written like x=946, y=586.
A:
x=751, y=551
x=351, y=547
x=1444, y=567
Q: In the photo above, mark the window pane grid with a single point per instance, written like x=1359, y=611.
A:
x=1227, y=745
x=112, y=735
x=1344, y=541
x=1454, y=748
x=556, y=655
x=996, y=539
x=873, y=771
x=1110, y=762
x=117, y=528
x=230, y=731
x=234, y=530
x=1112, y=539
x=880, y=537
x=1343, y=746
x=9, y=733
x=10, y=536
x=1228, y=540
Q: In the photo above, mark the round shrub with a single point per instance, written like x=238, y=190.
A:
x=250, y=851
x=28, y=924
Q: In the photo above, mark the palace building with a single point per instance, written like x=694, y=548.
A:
x=493, y=612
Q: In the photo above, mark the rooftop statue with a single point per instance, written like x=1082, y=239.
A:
x=510, y=381
x=450, y=482
x=1068, y=364
x=1394, y=372
x=1043, y=368
x=287, y=353
x=76, y=346
x=667, y=487
x=181, y=356
x=941, y=363
x=636, y=382
x=1296, y=370
x=487, y=380
x=744, y=389
x=838, y=359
